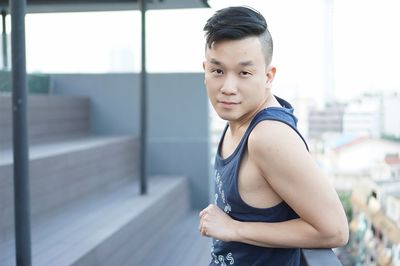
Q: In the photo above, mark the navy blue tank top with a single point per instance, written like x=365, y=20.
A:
x=228, y=199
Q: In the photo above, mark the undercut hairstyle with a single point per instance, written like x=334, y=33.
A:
x=236, y=23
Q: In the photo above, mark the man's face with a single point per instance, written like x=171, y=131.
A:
x=237, y=79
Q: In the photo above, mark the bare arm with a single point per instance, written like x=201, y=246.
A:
x=286, y=165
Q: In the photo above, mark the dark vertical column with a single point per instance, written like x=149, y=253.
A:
x=4, y=39
x=20, y=133
x=143, y=101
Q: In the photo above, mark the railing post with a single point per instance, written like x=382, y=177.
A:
x=143, y=104
x=20, y=133
x=4, y=39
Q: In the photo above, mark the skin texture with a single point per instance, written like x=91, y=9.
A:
x=276, y=165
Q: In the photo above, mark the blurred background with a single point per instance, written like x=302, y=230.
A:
x=337, y=63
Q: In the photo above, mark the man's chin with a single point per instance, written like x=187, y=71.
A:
x=226, y=117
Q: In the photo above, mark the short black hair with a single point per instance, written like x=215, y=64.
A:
x=235, y=23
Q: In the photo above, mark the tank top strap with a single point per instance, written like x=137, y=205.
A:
x=282, y=114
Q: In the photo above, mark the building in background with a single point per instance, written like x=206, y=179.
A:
x=391, y=120
x=375, y=229
x=371, y=115
x=363, y=116
x=326, y=120
x=375, y=225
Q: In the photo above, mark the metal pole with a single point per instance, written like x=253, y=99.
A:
x=143, y=98
x=4, y=39
x=20, y=133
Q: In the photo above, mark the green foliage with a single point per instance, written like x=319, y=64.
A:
x=391, y=137
x=344, y=197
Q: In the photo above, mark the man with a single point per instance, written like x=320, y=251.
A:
x=271, y=198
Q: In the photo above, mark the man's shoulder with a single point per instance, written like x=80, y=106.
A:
x=269, y=135
x=270, y=130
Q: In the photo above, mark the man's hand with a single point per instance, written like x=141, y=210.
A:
x=217, y=224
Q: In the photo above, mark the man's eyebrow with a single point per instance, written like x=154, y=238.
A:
x=247, y=63
x=215, y=62
x=244, y=63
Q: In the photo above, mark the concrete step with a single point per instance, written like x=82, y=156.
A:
x=111, y=227
x=68, y=170
x=48, y=117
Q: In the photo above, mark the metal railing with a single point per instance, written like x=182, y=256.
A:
x=319, y=257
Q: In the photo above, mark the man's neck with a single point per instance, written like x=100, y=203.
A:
x=239, y=126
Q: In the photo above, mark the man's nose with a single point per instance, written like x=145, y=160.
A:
x=230, y=85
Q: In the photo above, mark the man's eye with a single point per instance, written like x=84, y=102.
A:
x=245, y=73
x=217, y=71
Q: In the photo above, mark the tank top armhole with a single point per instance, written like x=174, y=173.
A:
x=292, y=127
x=243, y=145
x=261, y=117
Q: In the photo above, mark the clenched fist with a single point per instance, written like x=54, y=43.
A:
x=217, y=224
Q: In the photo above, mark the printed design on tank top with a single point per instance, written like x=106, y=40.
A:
x=224, y=261
x=221, y=194
x=226, y=207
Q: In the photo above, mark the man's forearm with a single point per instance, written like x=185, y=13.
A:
x=292, y=233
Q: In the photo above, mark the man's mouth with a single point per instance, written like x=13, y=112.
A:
x=228, y=102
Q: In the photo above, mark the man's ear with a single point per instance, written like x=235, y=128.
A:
x=271, y=71
x=204, y=68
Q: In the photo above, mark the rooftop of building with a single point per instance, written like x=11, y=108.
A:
x=51, y=6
